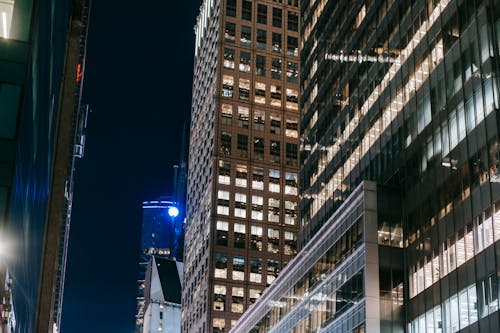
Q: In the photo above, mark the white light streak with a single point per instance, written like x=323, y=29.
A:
x=4, y=25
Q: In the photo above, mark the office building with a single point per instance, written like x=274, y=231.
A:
x=162, y=296
x=404, y=94
x=42, y=47
x=242, y=204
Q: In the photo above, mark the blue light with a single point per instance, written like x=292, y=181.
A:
x=173, y=211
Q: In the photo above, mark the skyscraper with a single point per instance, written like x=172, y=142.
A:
x=242, y=200
x=42, y=48
x=400, y=97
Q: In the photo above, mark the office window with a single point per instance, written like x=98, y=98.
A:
x=276, y=42
x=292, y=46
x=244, y=89
x=228, y=58
x=240, y=205
x=246, y=36
x=219, y=297
x=243, y=116
x=273, y=210
x=291, y=183
x=276, y=95
x=260, y=93
x=291, y=154
x=259, y=119
x=275, y=125
x=275, y=150
x=258, y=178
x=238, y=268
x=241, y=173
x=257, y=207
x=272, y=270
x=260, y=65
x=231, y=8
x=226, y=114
x=253, y=294
x=221, y=234
x=245, y=64
x=273, y=240
x=256, y=238
x=224, y=172
x=290, y=248
x=290, y=212
x=225, y=146
x=276, y=69
x=227, y=86
x=274, y=181
x=256, y=270
x=258, y=148
x=261, y=39
x=218, y=325
x=293, y=21
x=277, y=17
x=261, y=14
x=242, y=145
x=239, y=236
x=246, y=10
x=292, y=72
x=292, y=99
x=223, y=202
x=292, y=128
x=237, y=298
x=230, y=32
x=220, y=265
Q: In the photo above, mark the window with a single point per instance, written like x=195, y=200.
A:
x=277, y=17
x=273, y=210
x=241, y=174
x=273, y=240
x=224, y=172
x=292, y=72
x=261, y=39
x=260, y=65
x=260, y=93
x=245, y=64
x=230, y=32
x=223, y=202
x=227, y=86
x=239, y=236
x=275, y=126
x=225, y=147
x=272, y=270
x=276, y=42
x=257, y=207
x=256, y=270
x=221, y=265
x=231, y=8
x=256, y=238
x=243, y=116
x=276, y=95
x=218, y=325
x=242, y=145
x=9, y=104
x=253, y=294
x=244, y=89
x=219, y=297
x=237, y=300
x=261, y=14
x=221, y=233
x=291, y=183
x=238, y=268
x=226, y=114
x=240, y=205
x=274, y=181
x=293, y=21
x=258, y=148
x=228, y=58
x=258, y=178
x=292, y=128
x=246, y=36
x=290, y=243
x=291, y=154
x=290, y=212
x=276, y=69
x=246, y=10
x=292, y=99
x=275, y=151
x=259, y=119
x=292, y=47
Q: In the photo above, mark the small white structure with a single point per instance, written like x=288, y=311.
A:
x=162, y=296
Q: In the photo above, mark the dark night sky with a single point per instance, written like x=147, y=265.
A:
x=138, y=83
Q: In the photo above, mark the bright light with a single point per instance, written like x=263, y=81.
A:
x=173, y=211
x=4, y=25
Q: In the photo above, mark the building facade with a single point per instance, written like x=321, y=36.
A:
x=242, y=202
x=42, y=48
x=405, y=94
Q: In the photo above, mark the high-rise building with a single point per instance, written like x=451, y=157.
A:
x=242, y=203
x=403, y=94
x=42, y=48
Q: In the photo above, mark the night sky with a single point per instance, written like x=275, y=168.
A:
x=138, y=82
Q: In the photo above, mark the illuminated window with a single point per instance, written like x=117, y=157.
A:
x=227, y=114
x=237, y=300
x=272, y=270
x=240, y=205
x=239, y=235
x=245, y=62
x=253, y=294
x=244, y=89
x=292, y=128
x=223, y=203
x=241, y=175
x=257, y=207
x=292, y=46
x=260, y=93
x=258, y=178
x=243, y=116
x=6, y=10
x=220, y=265
x=256, y=238
x=290, y=248
x=292, y=72
x=227, y=86
x=224, y=172
x=246, y=36
x=273, y=240
x=274, y=181
x=259, y=119
x=219, y=297
x=290, y=212
x=239, y=268
x=361, y=16
x=291, y=183
x=219, y=325
x=292, y=99
x=276, y=95
x=256, y=270
x=222, y=233
x=228, y=58
x=276, y=69
x=276, y=42
x=273, y=210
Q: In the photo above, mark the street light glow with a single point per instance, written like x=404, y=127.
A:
x=173, y=211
